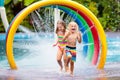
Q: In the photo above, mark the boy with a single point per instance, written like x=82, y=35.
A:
x=72, y=35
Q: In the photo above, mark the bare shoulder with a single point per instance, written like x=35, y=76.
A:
x=67, y=32
x=79, y=33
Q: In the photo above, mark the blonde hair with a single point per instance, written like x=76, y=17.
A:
x=64, y=25
x=71, y=23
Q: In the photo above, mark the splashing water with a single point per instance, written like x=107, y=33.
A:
x=36, y=59
x=24, y=29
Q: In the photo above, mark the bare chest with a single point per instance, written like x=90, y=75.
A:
x=72, y=37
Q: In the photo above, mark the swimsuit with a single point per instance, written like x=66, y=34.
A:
x=62, y=44
x=71, y=51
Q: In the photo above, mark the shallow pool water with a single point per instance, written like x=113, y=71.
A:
x=36, y=60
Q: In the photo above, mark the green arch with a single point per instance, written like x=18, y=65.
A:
x=89, y=33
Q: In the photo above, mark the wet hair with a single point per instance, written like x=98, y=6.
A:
x=72, y=22
x=63, y=24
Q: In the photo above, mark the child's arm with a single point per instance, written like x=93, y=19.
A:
x=55, y=43
x=79, y=37
x=66, y=35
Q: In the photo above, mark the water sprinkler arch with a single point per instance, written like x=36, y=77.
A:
x=14, y=25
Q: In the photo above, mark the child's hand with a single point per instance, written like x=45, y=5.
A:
x=78, y=32
x=79, y=36
x=54, y=45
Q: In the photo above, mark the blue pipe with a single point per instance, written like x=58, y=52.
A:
x=1, y=3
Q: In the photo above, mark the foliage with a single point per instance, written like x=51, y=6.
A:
x=107, y=11
x=28, y=2
x=7, y=2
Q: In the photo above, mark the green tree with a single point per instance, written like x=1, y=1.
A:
x=107, y=11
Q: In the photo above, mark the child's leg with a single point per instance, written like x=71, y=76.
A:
x=69, y=56
x=71, y=67
x=65, y=61
x=59, y=57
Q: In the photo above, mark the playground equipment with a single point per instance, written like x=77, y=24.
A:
x=3, y=15
x=87, y=34
x=86, y=19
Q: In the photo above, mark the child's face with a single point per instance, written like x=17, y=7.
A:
x=73, y=27
x=60, y=26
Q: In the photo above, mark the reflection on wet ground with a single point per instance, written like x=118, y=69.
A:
x=54, y=74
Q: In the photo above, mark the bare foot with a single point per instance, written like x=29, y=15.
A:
x=71, y=74
x=61, y=68
x=67, y=69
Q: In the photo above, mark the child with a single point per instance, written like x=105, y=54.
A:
x=72, y=35
x=60, y=31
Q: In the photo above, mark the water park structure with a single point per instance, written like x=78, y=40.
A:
x=86, y=21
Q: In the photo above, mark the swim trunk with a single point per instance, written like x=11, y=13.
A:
x=71, y=51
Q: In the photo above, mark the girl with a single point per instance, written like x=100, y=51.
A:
x=60, y=31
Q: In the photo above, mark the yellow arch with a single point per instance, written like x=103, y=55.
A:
x=29, y=9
